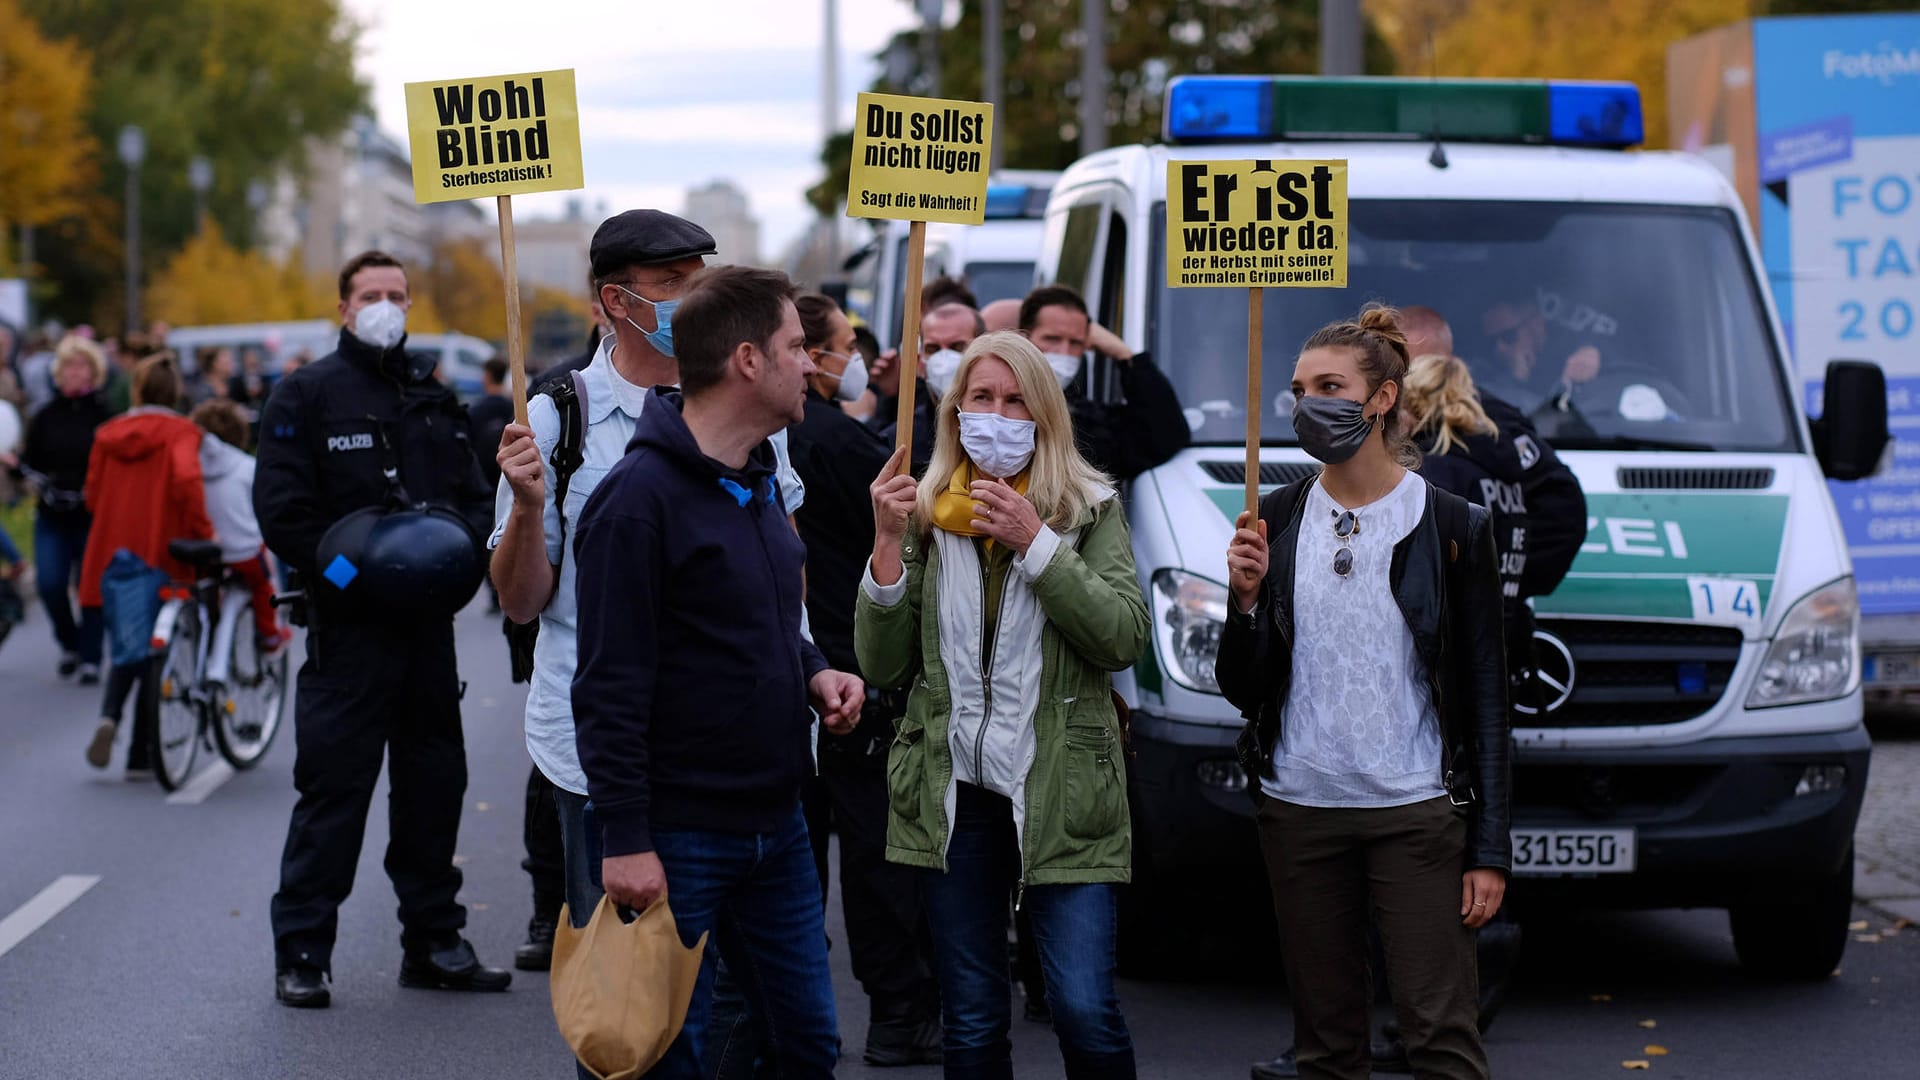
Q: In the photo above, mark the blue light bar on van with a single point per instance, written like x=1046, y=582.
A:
x=1009, y=201
x=1258, y=108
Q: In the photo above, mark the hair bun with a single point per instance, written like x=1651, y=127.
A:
x=1383, y=320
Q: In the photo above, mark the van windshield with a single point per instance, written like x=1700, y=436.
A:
x=992, y=281
x=1613, y=326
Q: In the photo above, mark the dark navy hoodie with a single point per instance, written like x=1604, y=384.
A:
x=690, y=698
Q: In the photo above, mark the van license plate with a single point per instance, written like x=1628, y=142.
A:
x=1551, y=852
x=1893, y=667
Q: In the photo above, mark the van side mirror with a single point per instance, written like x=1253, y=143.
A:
x=1851, y=435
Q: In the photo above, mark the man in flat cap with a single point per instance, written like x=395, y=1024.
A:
x=642, y=260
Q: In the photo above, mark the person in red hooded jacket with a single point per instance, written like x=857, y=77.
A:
x=144, y=489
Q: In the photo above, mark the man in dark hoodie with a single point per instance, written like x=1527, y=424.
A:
x=691, y=691
x=335, y=438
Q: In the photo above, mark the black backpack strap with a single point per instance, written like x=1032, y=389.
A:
x=569, y=450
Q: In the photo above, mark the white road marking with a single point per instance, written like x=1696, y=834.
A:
x=40, y=910
x=201, y=786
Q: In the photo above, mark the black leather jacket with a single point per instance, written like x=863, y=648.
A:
x=1454, y=613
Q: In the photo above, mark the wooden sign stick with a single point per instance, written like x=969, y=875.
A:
x=910, y=337
x=516, y=349
x=1256, y=311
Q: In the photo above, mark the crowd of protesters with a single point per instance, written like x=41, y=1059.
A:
x=749, y=621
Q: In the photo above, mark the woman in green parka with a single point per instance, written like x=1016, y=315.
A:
x=1002, y=594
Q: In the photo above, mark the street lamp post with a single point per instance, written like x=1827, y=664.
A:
x=133, y=151
x=259, y=194
x=1093, y=75
x=930, y=12
x=993, y=70
x=200, y=179
x=1341, y=30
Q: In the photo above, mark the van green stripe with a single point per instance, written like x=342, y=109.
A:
x=1643, y=545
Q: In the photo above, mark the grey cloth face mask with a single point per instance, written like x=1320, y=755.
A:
x=1331, y=429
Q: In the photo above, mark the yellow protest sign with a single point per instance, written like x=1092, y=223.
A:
x=1257, y=224
x=495, y=135
x=920, y=159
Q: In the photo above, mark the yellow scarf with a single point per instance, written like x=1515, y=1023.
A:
x=955, y=508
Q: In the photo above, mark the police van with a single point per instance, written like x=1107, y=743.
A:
x=461, y=356
x=995, y=258
x=1698, y=741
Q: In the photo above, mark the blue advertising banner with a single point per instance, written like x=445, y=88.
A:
x=1837, y=112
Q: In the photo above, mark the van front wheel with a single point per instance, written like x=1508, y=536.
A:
x=1801, y=940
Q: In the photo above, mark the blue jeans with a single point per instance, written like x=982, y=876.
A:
x=58, y=547
x=1074, y=927
x=732, y=1050
x=758, y=896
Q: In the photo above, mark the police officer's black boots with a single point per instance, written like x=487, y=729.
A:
x=536, y=953
x=448, y=963
x=302, y=988
x=899, y=1036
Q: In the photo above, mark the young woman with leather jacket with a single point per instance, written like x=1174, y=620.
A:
x=1364, y=647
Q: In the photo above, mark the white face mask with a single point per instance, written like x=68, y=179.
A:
x=852, y=378
x=1064, y=366
x=940, y=369
x=380, y=324
x=998, y=445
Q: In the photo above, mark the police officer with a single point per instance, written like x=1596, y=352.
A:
x=367, y=440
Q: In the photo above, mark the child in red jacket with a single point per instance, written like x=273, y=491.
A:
x=144, y=487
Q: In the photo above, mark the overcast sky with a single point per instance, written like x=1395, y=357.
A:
x=673, y=93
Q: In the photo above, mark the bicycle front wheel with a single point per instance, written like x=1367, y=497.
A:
x=247, y=714
x=176, y=728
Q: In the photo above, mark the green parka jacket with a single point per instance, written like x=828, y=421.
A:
x=1035, y=711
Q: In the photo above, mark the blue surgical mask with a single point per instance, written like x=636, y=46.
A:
x=662, y=338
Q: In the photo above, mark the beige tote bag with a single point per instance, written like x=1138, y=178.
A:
x=620, y=990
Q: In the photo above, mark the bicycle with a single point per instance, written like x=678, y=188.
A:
x=219, y=681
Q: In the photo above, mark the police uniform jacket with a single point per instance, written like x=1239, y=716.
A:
x=330, y=428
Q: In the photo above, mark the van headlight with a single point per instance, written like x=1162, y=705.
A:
x=1188, y=614
x=1816, y=654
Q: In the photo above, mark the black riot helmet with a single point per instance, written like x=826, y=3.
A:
x=407, y=564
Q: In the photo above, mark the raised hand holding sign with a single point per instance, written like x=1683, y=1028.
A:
x=918, y=160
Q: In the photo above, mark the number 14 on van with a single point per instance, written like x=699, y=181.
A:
x=1728, y=601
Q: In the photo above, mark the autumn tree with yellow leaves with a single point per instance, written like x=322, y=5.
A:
x=1551, y=39
x=46, y=152
x=210, y=281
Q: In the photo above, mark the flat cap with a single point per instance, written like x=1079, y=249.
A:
x=640, y=237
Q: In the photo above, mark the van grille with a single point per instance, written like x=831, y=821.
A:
x=1634, y=673
x=1696, y=479
x=1272, y=473
x=1545, y=792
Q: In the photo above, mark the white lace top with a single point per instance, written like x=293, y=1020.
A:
x=1359, y=728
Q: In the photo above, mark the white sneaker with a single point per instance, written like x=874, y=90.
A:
x=100, y=750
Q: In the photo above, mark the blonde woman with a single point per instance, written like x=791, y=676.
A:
x=1001, y=590
x=1463, y=452
x=59, y=444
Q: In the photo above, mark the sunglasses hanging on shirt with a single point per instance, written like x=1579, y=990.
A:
x=1346, y=525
